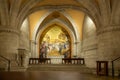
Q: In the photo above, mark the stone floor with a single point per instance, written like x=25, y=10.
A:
x=52, y=75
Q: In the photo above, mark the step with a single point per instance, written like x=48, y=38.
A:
x=59, y=67
x=2, y=69
x=119, y=73
x=18, y=69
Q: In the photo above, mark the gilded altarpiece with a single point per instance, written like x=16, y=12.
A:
x=55, y=42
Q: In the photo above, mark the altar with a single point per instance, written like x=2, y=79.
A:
x=56, y=59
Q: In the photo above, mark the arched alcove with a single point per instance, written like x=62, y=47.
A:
x=54, y=41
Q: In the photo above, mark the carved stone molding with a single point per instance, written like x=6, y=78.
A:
x=108, y=29
x=8, y=30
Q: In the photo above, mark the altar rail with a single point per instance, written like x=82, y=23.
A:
x=39, y=61
x=73, y=61
x=63, y=61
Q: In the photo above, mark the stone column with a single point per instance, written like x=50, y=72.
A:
x=109, y=44
x=9, y=41
x=76, y=48
x=33, y=49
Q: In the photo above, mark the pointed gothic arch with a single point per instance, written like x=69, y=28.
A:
x=44, y=20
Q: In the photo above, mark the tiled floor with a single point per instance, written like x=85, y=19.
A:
x=51, y=75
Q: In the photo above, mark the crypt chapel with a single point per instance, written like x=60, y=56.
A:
x=35, y=31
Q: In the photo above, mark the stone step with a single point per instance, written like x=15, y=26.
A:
x=59, y=67
x=2, y=69
x=18, y=69
x=119, y=72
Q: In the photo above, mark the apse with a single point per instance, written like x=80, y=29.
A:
x=71, y=22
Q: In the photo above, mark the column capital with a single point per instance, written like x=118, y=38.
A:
x=9, y=30
x=108, y=28
x=33, y=41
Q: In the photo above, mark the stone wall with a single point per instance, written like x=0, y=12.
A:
x=89, y=43
x=109, y=45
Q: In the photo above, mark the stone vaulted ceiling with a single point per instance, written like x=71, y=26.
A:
x=102, y=12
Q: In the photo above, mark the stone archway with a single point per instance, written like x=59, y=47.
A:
x=65, y=28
